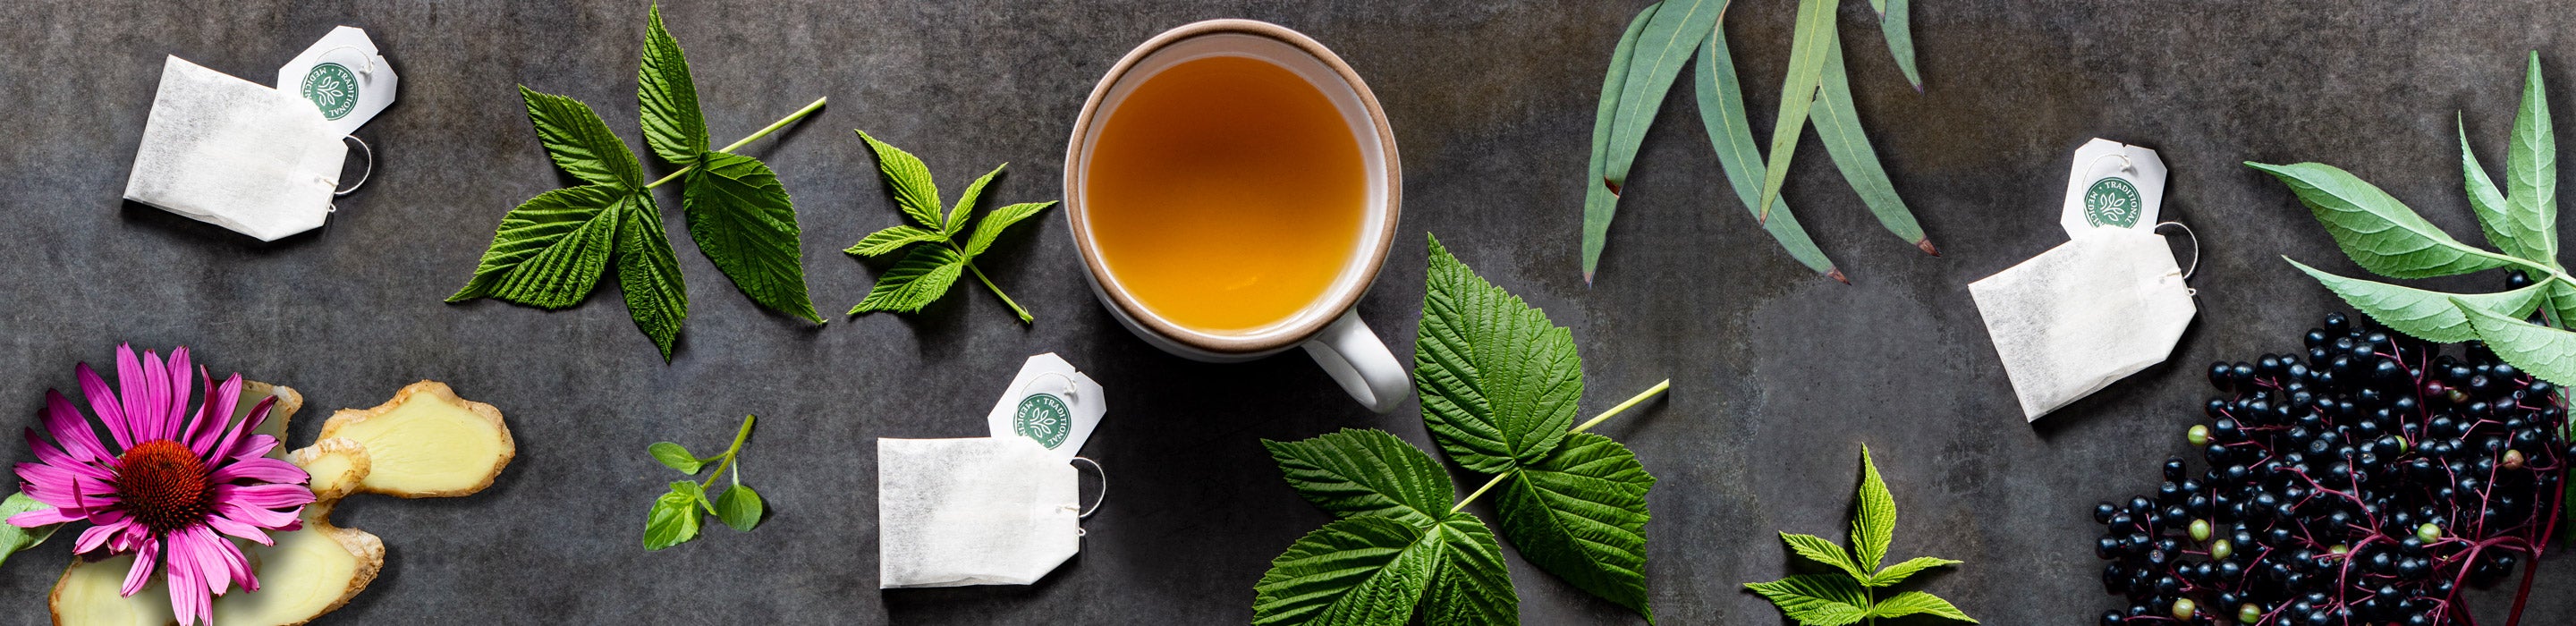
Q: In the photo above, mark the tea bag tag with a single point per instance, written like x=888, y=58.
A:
x=236, y=154
x=974, y=511
x=1051, y=403
x=2113, y=185
x=343, y=76
x=2086, y=314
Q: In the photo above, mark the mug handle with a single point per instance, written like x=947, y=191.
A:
x=1351, y=353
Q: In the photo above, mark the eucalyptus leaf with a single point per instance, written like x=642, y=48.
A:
x=2428, y=315
x=1838, y=124
x=1811, y=43
x=1600, y=196
x=1895, y=23
x=674, y=456
x=2375, y=229
x=1721, y=110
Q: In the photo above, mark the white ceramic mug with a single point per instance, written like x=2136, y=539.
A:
x=1328, y=328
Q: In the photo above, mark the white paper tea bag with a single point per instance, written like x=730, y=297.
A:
x=977, y=511
x=1051, y=403
x=2084, y=315
x=235, y=154
x=343, y=76
x=2113, y=185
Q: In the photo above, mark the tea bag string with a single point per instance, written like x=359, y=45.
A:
x=363, y=175
x=2195, y=251
x=1085, y=512
x=2126, y=165
x=367, y=61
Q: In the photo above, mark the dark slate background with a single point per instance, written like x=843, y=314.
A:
x=1780, y=376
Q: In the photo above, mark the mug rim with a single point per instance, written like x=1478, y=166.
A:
x=1334, y=304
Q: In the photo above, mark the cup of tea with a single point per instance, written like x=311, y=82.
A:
x=1233, y=189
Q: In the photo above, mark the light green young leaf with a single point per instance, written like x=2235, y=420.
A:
x=1581, y=515
x=2561, y=305
x=914, y=282
x=1721, y=110
x=673, y=126
x=1809, y=45
x=2495, y=214
x=678, y=458
x=996, y=221
x=744, y=221
x=579, y=142
x=2544, y=352
x=1365, y=472
x=1838, y=124
x=1914, y=602
x=1816, y=599
x=14, y=539
x=1894, y=23
x=739, y=507
x=1498, y=381
x=1359, y=571
x=956, y=221
x=2427, y=315
x=914, y=191
x=650, y=274
x=550, y=251
x=1818, y=549
x=1874, y=525
x=2531, y=172
x=1899, y=572
x=891, y=239
x=2375, y=229
x=1471, y=586
x=673, y=520
x=1600, y=197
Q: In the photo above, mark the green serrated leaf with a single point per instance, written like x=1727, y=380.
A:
x=739, y=507
x=1365, y=472
x=745, y=223
x=579, y=142
x=2375, y=229
x=2544, y=352
x=649, y=273
x=1874, y=524
x=1498, y=380
x=1581, y=515
x=956, y=221
x=996, y=221
x=2495, y=214
x=1916, y=602
x=2427, y=315
x=14, y=539
x=673, y=520
x=1894, y=22
x=1359, y=571
x=675, y=456
x=1471, y=586
x=891, y=239
x=1818, y=549
x=550, y=250
x=914, y=282
x=673, y=126
x=1816, y=599
x=2531, y=173
x=914, y=190
x=1899, y=572
x=1809, y=45
x=1600, y=197
x=1721, y=110
x=1838, y=124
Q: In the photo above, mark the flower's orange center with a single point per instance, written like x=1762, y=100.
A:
x=164, y=486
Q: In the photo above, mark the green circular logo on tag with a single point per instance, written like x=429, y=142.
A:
x=1045, y=418
x=2112, y=202
x=333, y=87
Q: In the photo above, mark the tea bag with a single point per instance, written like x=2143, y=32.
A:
x=2085, y=314
x=976, y=511
x=232, y=153
x=1051, y=403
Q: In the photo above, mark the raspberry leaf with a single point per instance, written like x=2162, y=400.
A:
x=1356, y=571
x=891, y=239
x=1899, y=572
x=915, y=282
x=956, y=220
x=910, y=179
x=743, y=220
x=997, y=220
x=1471, y=586
x=1581, y=515
x=1818, y=549
x=668, y=97
x=1874, y=525
x=579, y=142
x=649, y=274
x=1816, y=599
x=1365, y=472
x=1499, y=382
x=1914, y=602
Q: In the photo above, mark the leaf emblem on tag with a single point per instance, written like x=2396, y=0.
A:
x=1043, y=417
x=332, y=87
x=2111, y=202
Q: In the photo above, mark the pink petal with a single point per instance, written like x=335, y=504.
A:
x=236, y=528
x=202, y=548
x=43, y=517
x=135, y=535
x=262, y=518
x=254, y=447
x=141, y=573
x=269, y=496
x=102, y=402
x=129, y=392
x=187, y=579
x=156, y=398
x=95, y=536
x=177, y=381
x=53, y=456
x=261, y=469
x=234, y=436
x=65, y=423
x=218, y=413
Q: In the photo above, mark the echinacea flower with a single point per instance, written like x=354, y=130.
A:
x=175, y=480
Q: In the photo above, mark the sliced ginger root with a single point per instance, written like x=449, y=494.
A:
x=318, y=568
x=427, y=443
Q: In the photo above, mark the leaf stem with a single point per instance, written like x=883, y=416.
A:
x=1650, y=392
x=730, y=452
x=773, y=127
x=1025, y=318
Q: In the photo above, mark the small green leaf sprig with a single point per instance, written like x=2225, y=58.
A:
x=1850, y=595
x=1499, y=383
x=14, y=539
x=923, y=276
x=550, y=251
x=674, y=519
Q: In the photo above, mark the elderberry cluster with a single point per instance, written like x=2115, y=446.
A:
x=2365, y=484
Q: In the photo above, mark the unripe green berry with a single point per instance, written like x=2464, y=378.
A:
x=2428, y=532
x=2200, y=530
x=2199, y=435
x=2182, y=608
x=2249, y=613
x=2220, y=549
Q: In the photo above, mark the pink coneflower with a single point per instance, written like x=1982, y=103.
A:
x=176, y=480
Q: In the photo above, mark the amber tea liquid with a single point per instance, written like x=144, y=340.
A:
x=1226, y=194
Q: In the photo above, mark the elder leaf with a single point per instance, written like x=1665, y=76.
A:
x=2428, y=315
x=1498, y=381
x=2544, y=352
x=2531, y=175
x=2375, y=229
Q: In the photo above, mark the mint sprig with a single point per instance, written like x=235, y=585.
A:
x=1850, y=595
x=674, y=517
x=550, y=251
x=923, y=276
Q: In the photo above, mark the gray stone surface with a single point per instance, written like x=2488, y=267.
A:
x=1779, y=375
